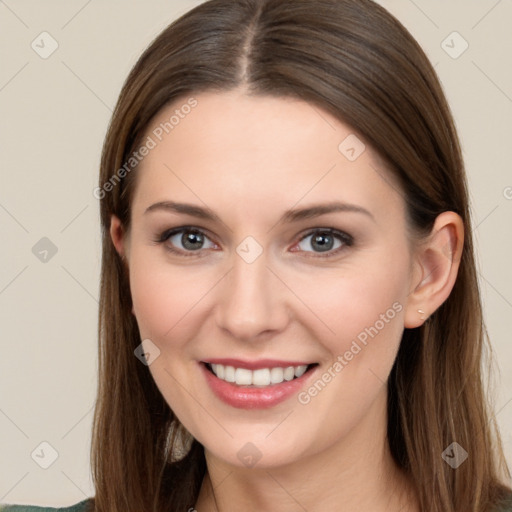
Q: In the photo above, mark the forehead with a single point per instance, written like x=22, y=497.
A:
x=236, y=150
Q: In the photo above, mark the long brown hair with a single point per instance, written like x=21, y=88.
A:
x=356, y=61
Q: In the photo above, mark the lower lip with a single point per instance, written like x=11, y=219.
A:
x=250, y=397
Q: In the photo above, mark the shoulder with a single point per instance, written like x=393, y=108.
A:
x=83, y=506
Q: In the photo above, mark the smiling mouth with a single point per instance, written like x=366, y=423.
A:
x=262, y=377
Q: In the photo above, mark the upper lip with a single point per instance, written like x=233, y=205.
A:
x=255, y=365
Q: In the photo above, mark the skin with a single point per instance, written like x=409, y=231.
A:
x=249, y=159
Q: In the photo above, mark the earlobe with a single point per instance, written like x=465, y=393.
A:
x=437, y=265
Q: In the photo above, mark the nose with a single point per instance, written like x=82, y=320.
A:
x=252, y=300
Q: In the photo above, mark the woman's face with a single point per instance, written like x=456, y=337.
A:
x=259, y=287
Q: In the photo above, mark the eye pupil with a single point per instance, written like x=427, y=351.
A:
x=191, y=240
x=321, y=240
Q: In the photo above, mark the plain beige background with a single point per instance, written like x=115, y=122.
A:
x=54, y=114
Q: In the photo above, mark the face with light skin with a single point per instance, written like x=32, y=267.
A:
x=249, y=160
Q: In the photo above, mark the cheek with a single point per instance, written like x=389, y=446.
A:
x=167, y=303
x=164, y=296
x=365, y=311
x=353, y=303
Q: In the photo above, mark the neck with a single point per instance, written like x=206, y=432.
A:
x=356, y=473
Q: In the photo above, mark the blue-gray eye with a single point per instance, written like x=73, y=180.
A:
x=190, y=240
x=324, y=240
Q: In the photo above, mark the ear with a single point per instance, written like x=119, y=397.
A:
x=118, y=236
x=436, y=266
x=120, y=240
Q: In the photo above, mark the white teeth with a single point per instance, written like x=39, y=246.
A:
x=219, y=371
x=243, y=377
x=276, y=375
x=300, y=370
x=260, y=377
x=289, y=373
x=229, y=373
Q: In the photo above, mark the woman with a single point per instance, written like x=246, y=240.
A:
x=290, y=317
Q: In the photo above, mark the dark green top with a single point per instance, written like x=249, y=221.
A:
x=85, y=506
x=506, y=507
x=82, y=506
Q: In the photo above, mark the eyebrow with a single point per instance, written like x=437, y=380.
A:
x=293, y=215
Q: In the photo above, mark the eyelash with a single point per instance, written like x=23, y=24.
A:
x=346, y=239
